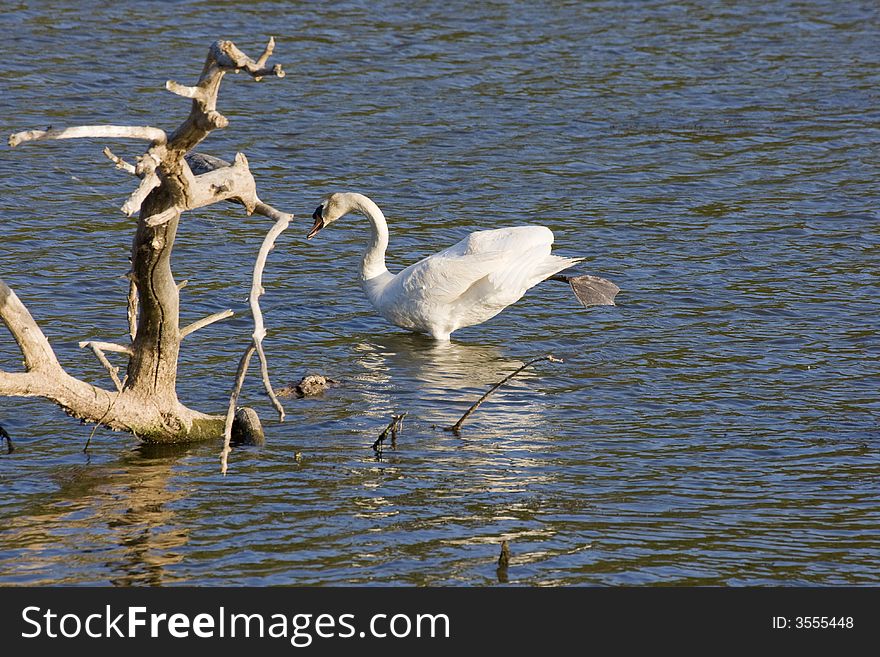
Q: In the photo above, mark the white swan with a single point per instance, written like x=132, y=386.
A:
x=464, y=285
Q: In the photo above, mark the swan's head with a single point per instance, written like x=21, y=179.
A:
x=332, y=208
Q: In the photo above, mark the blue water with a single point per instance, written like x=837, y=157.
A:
x=718, y=161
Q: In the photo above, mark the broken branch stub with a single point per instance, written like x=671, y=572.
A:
x=393, y=427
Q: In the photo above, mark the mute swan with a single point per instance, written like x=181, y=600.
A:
x=464, y=285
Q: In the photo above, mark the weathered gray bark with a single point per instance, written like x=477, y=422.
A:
x=145, y=402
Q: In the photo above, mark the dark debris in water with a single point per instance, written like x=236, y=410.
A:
x=311, y=385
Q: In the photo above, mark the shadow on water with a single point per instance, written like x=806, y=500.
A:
x=120, y=513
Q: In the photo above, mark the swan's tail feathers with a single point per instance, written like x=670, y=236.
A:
x=527, y=270
x=548, y=266
x=592, y=290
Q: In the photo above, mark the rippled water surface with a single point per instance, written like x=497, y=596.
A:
x=718, y=161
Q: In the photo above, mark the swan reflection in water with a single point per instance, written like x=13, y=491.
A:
x=502, y=468
x=438, y=381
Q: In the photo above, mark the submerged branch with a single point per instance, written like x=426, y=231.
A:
x=393, y=427
x=456, y=428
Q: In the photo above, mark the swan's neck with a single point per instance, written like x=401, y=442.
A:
x=373, y=263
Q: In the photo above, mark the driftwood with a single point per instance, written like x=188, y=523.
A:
x=456, y=428
x=145, y=401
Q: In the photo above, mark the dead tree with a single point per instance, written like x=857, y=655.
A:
x=172, y=180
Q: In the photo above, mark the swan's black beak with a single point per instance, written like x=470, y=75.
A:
x=319, y=223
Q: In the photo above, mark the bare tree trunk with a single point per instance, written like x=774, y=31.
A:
x=152, y=370
x=146, y=403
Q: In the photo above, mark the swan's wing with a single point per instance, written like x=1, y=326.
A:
x=528, y=269
x=445, y=276
x=530, y=261
x=514, y=240
x=510, y=259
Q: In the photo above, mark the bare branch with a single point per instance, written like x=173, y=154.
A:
x=119, y=162
x=114, y=371
x=38, y=354
x=282, y=220
x=26, y=384
x=195, y=93
x=233, y=182
x=147, y=133
x=134, y=202
x=267, y=53
x=233, y=398
x=162, y=217
x=205, y=321
x=228, y=56
x=107, y=346
x=223, y=57
x=456, y=428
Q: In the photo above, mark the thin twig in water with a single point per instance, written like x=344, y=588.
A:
x=9, y=446
x=456, y=428
x=109, y=408
x=393, y=427
x=233, y=398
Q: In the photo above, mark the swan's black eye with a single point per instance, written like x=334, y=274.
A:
x=319, y=213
